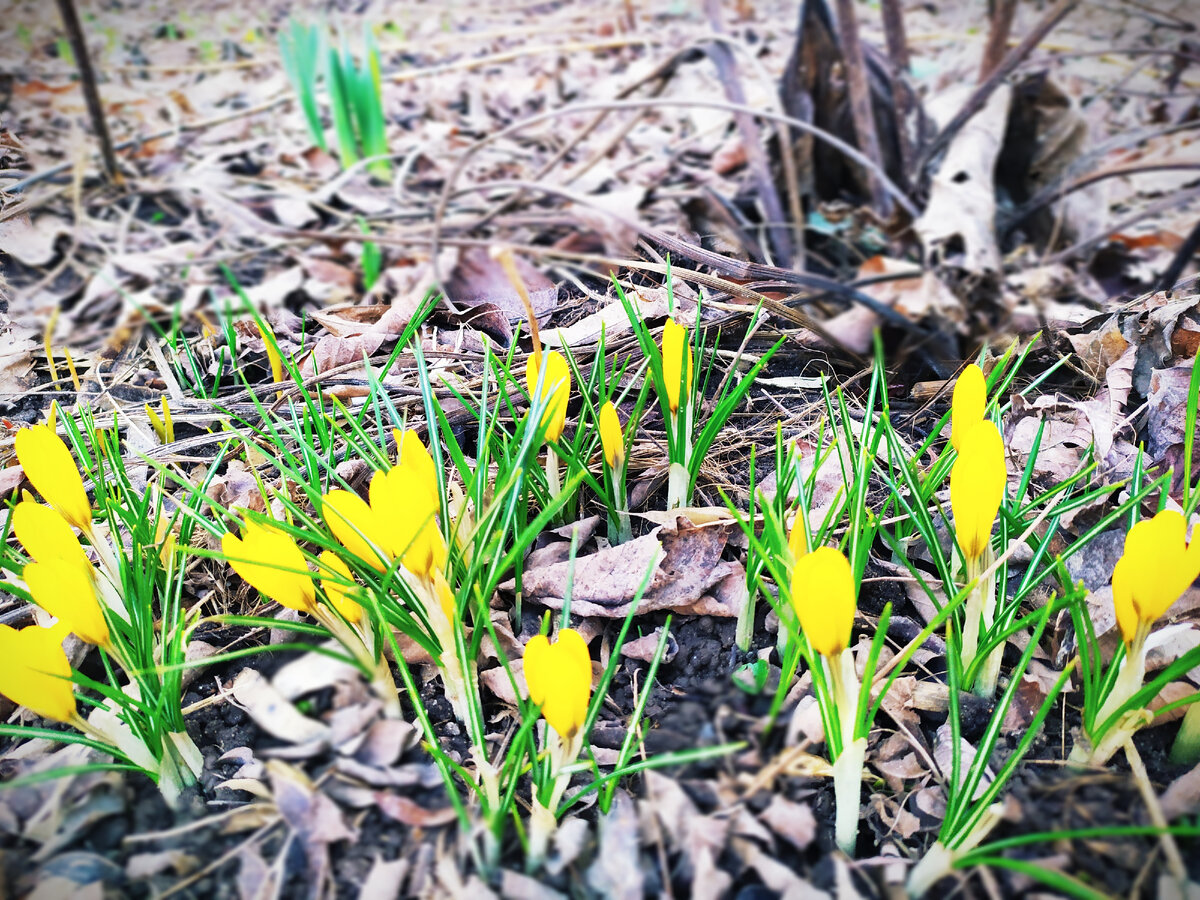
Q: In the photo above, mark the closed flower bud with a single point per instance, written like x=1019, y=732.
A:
x=968, y=404
x=51, y=469
x=824, y=600
x=36, y=673
x=407, y=511
x=556, y=391
x=673, y=340
x=559, y=677
x=1157, y=567
x=66, y=591
x=977, y=487
x=269, y=560
x=611, y=438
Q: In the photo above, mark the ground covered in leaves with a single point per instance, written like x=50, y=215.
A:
x=598, y=139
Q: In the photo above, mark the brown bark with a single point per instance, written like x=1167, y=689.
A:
x=860, y=100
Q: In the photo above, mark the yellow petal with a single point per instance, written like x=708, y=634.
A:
x=968, y=404
x=1122, y=588
x=51, y=469
x=45, y=534
x=977, y=487
x=334, y=575
x=412, y=453
x=559, y=677
x=407, y=513
x=556, y=385
x=824, y=600
x=36, y=672
x=1158, y=564
x=673, y=341
x=269, y=560
x=68, y=593
x=355, y=525
x=611, y=438
x=797, y=543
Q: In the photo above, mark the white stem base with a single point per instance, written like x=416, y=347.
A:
x=939, y=860
x=847, y=790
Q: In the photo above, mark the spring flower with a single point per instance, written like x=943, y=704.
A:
x=967, y=404
x=411, y=452
x=611, y=438
x=406, y=508
x=51, y=469
x=46, y=536
x=68, y=593
x=797, y=543
x=559, y=676
x=356, y=526
x=1157, y=567
x=823, y=597
x=977, y=487
x=334, y=575
x=36, y=673
x=556, y=386
x=674, y=337
x=269, y=560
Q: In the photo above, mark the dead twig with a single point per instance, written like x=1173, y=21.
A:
x=1002, y=14
x=87, y=82
x=860, y=101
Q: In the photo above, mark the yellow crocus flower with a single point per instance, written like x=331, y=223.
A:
x=412, y=453
x=67, y=592
x=1158, y=565
x=796, y=539
x=36, y=673
x=333, y=574
x=977, y=487
x=51, y=469
x=673, y=340
x=967, y=404
x=611, y=438
x=824, y=600
x=356, y=526
x=46, y=535
x=556, y=386
x=559, y=677
x=270, y=561
x=407, y=511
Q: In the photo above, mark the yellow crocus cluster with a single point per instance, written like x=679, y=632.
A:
x=978, y=477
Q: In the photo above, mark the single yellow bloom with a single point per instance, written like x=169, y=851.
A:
x=1157, y=567
x=796, y=541
x=68, y=593
x=356, y=526
x=407, y=513
x=977, y=487
x=674, y=337
x=51, y=469
x=36, y=673
x=556, y=386
x=611, y=438
x=46, y=536
x=824, y=600
x=559, y=677
x=412, y=453
x=967, y=404
x=269, y=560
x=333, y=573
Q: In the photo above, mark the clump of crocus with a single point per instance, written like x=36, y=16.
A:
x=269, y=560
x=1158, y=565
x=977, y=484
x=678, y=373
x=823, y=596
x=553, y=395
x=612, y=440
x=559, y=677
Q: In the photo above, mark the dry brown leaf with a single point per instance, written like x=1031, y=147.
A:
x=794, y=822
x=274, y=713
x=409, y=812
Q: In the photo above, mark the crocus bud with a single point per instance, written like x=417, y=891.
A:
x=51, y=469
x=67, y=592
x=556, y=389
x=46, y=536
x=407, y=510
x=673, y=340
x=559, y=677
x=824, y=600
x=1158, y=565
x=36, y=673
x=977, y=487
x=968, y=404
x=269, y=560
x=611, y=438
